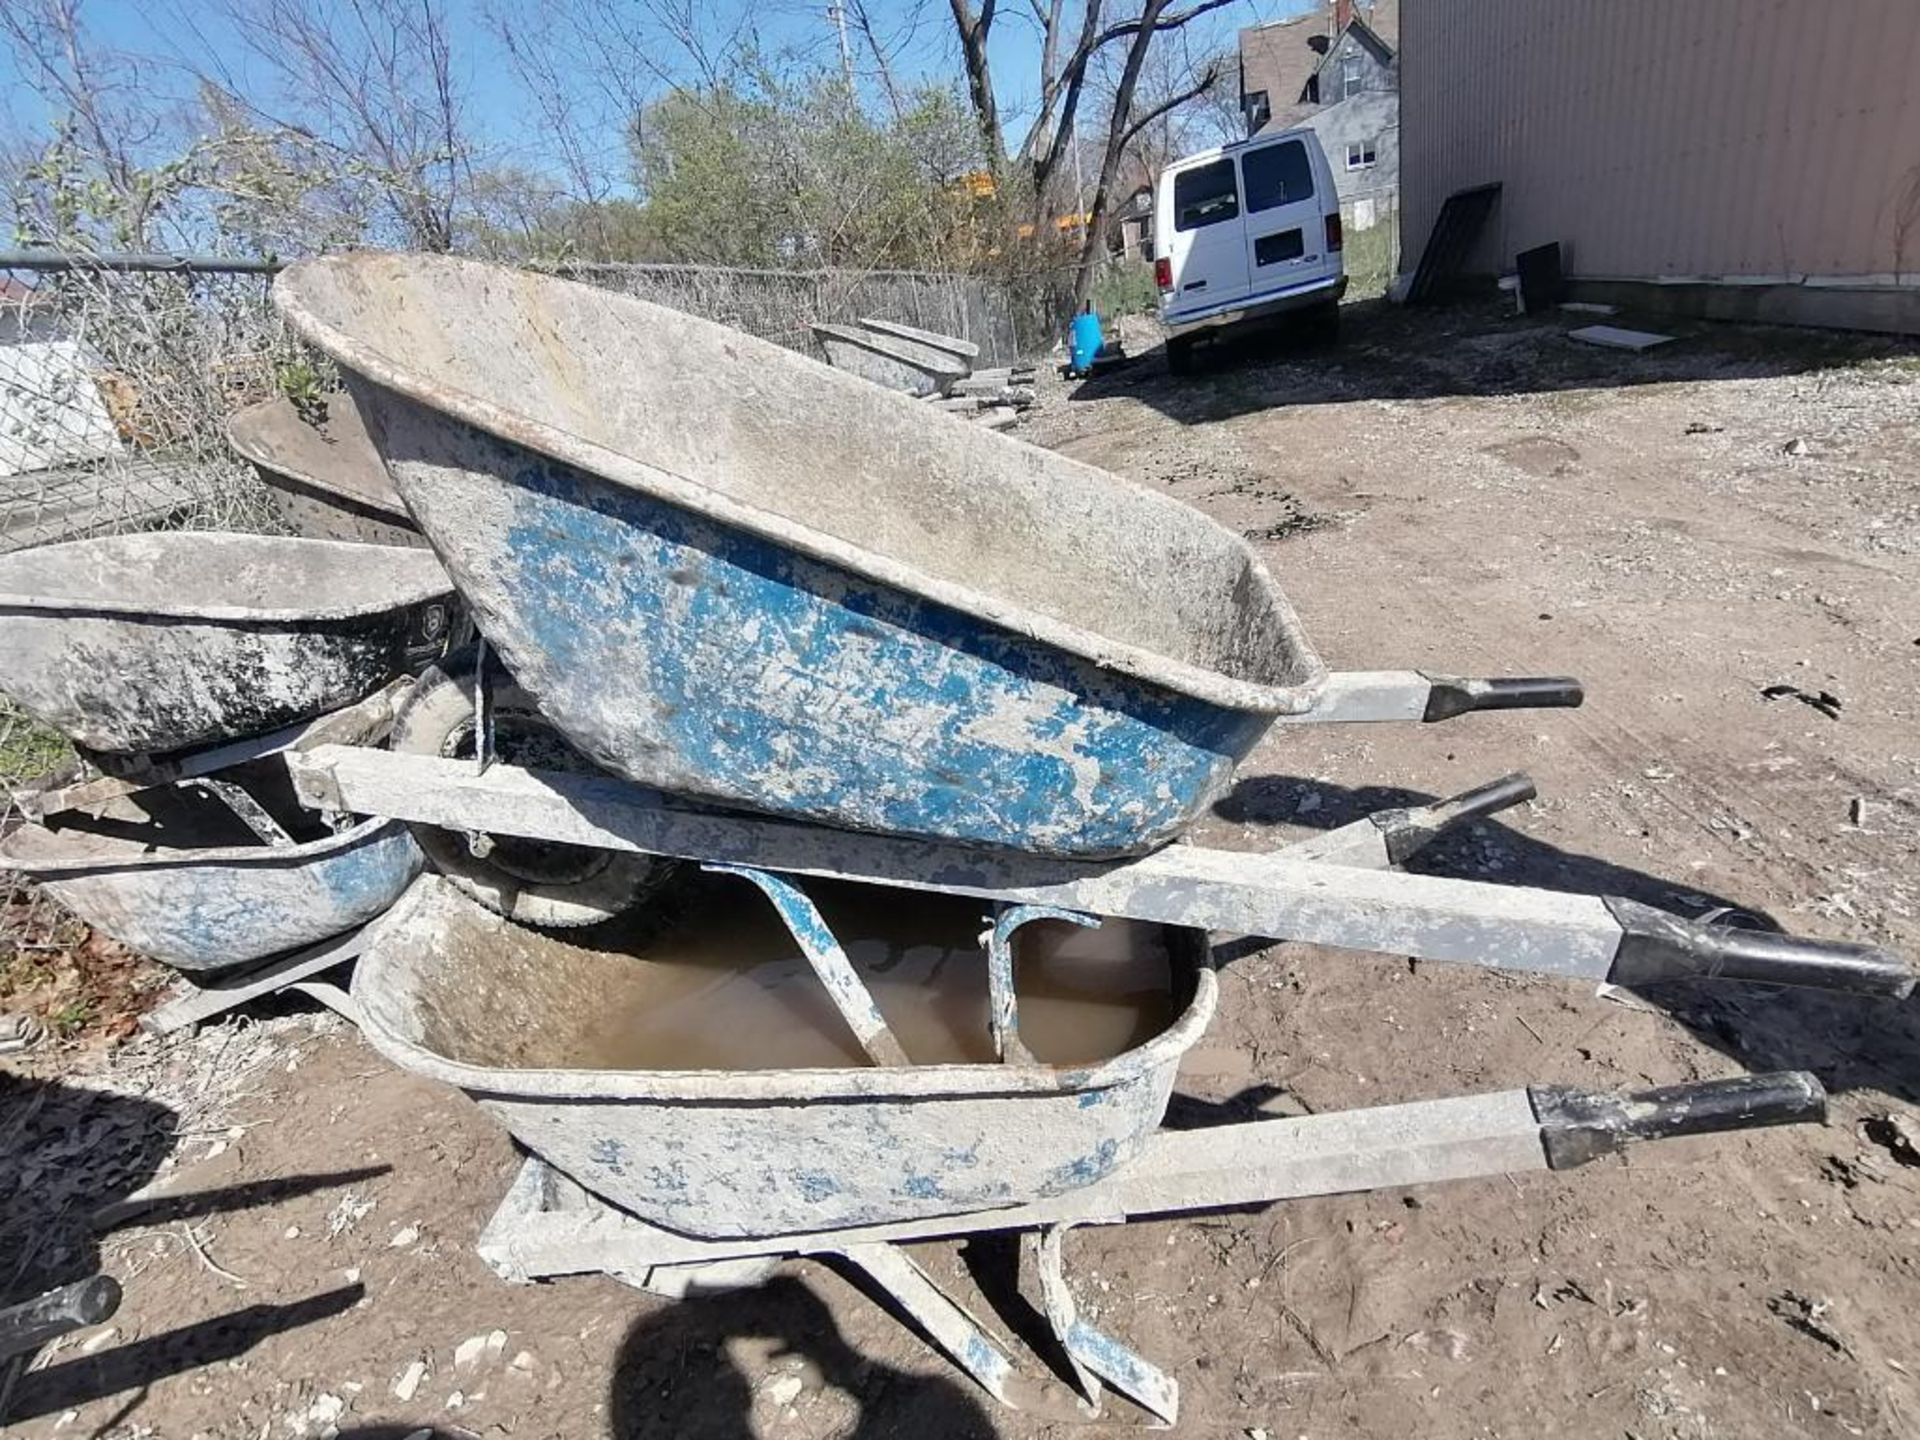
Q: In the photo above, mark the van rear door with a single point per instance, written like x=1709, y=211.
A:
x=1206, y=243
x=1285, y=234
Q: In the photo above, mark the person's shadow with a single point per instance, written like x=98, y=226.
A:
x=675, y=1380
x=71, y=1159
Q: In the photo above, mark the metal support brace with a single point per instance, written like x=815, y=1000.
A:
x=1388, y=838
x=250, y=811
x=482, y=709
x=1002, y=1013
x=843, y=984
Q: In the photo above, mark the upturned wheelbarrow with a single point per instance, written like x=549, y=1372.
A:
x=326, y=478
x=723, y=569
x=179, y=664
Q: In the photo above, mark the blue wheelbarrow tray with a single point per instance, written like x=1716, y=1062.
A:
x=728, y=571
x=211, y=908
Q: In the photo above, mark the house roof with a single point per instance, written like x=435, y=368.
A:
x=1361, y=32
x=1280, y=58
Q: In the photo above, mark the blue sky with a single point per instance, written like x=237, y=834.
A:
x=177, y=37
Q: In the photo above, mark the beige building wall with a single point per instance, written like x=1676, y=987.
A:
x=1754, y=140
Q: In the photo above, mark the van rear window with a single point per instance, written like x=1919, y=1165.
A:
x=1205, y=195
x=1277, y=175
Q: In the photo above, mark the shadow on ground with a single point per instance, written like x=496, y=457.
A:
x=1850, y=1042
x=679, y=1377
x=1391, y=352
x=70, y=1158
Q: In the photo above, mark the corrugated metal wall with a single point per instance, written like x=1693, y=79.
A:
x=1661, y=138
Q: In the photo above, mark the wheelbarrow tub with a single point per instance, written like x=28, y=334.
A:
x=896, y=362
x=444, y=987
x=964, y=351
x=140, y=644
x=328, y=480
x=203, y=908
x=726, y=570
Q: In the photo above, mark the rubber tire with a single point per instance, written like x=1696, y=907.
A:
x=437, y=719
x=1180, y=355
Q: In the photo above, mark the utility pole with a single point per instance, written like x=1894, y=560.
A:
x=837, y=14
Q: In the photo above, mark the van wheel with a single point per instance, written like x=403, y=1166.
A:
x=533, y=882
x=1179, y=355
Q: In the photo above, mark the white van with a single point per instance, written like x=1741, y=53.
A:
x=1246, y=232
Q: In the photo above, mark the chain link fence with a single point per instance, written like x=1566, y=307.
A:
x=116, y=385
x=782, y=305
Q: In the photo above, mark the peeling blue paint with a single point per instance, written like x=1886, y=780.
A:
x=229, y=912
x=815, y=1185
x=705, y=659
x=611, y=1155
x=1085, y=1169
x=922, y=1187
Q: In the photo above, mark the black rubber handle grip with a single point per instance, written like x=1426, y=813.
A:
x=25, y=1327
x=1483, y=800
x=1451, y=695
x=1579, y=1125
x=1660, y=946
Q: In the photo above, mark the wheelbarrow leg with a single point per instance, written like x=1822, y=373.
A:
x=1360, y=697
x=1095, y=1355
x=1003, y=1017
x=1388, y=838
x=944, y=1320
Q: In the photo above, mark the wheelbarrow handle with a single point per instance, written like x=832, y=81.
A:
x=1655, y=945
x=1581, y=1125
x=1451, y=695
x=27, y=1326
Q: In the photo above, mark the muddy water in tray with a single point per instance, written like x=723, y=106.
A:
x=723, y=985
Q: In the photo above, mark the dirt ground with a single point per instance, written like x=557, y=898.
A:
x=1463, y=492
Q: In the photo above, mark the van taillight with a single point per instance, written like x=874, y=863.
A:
x=1333, y=233
x=1163, y=273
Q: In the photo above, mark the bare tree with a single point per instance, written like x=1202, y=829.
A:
x=370, y=81
x=109, y=126
x=1123, y=127
x=1070, y=44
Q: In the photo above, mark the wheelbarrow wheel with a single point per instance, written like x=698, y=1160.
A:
x=534, y=882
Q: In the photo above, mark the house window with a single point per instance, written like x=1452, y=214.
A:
x=1353, y=76
x=1361, y=155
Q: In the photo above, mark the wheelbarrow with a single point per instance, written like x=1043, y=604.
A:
x=905, y=363
x=727, y=571
x=326, y=477
x=138, y=645
x=695, y=1179
x=204, y=877
x=178, y=665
